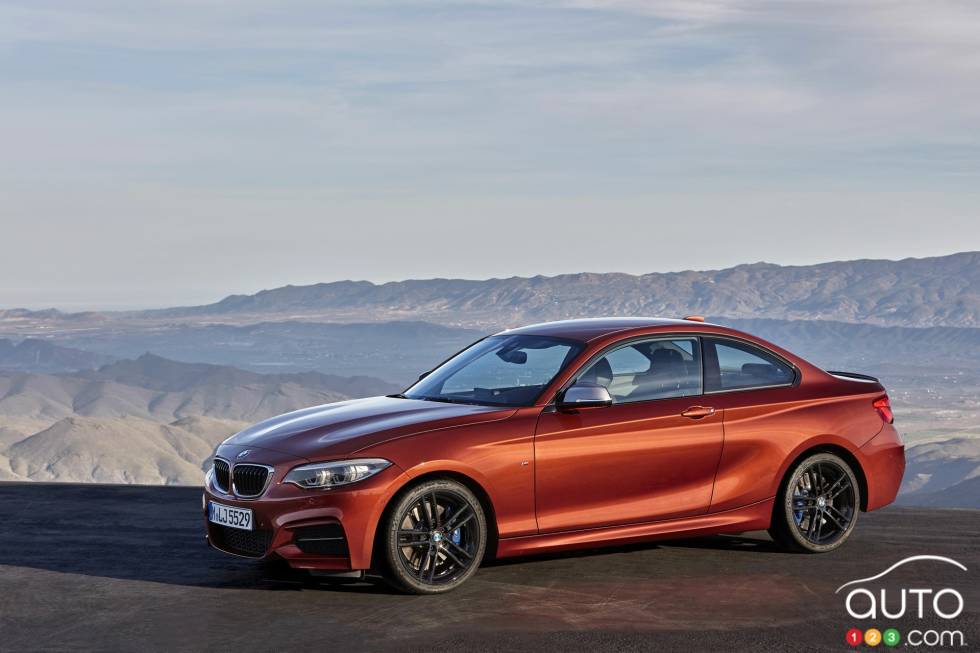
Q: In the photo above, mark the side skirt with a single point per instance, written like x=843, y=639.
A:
x=753, y=517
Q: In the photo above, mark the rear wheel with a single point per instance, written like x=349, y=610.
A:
x=818, y=505
x=435, y=537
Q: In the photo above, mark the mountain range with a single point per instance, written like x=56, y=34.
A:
x=148, y=420
x=78, y=391
x=939, y=291
x=912, y=292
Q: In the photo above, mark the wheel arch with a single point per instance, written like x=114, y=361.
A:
x=472, y=484
x=833, y=448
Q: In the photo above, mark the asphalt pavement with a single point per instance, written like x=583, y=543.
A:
x=95, y=567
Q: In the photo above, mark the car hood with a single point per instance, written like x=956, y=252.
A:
x=349, y=426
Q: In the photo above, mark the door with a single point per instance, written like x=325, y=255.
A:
x=651, y=455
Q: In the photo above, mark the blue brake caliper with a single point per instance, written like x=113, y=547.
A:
x=455, y=536
x=797, y=514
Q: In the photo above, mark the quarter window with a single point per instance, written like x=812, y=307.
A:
x=741, y=365
x=649, y=369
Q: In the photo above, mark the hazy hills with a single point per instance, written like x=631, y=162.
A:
x=149, y=420
x=399, y=351
x=872, y=348
x=965, y=494
x=158, y=373
x=77, y=391
x=32, y=354
x=940, y=291
x=156, y=388
x=395, y=351
x=943, y=473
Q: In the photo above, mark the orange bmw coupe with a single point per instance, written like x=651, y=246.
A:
x=559, y=436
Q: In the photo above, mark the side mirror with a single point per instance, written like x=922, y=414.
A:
x=585, y=395
x=424, y=374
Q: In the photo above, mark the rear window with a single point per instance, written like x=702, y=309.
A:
x=738, y=365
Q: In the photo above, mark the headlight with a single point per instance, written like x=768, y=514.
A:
x=341, y=472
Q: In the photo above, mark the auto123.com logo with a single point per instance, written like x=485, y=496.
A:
x=894, y=615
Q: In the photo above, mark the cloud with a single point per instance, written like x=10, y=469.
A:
x=459, y=103
x=515, y=94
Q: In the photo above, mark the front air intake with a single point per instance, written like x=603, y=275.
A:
x=252, y=544
x=326, y=540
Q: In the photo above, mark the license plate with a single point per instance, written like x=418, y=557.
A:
x=230, y=516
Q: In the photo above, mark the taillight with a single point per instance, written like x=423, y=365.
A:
x=884, y=409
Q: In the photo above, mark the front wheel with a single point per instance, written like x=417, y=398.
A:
x=818, y=505
x=434, y=537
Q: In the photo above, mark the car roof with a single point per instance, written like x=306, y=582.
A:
x=591, y=328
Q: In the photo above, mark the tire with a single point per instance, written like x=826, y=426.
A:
x=432, y=552
x=817, y=506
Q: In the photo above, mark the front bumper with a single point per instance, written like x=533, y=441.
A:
x=310, y=529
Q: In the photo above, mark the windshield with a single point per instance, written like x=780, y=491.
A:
x=497, y=371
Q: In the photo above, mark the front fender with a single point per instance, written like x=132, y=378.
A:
x=498, y=458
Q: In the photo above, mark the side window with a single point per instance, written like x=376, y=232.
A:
x=649, y=369
x=740, y=365
x=628, y=360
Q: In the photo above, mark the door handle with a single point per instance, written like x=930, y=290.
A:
x=697, y=412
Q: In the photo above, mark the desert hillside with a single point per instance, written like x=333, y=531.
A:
x=72, y=385
x=149, y=420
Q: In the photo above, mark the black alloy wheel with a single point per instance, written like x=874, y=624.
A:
x=435, y=537
x=818, y=505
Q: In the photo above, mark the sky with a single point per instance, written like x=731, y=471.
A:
x=171, y=153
